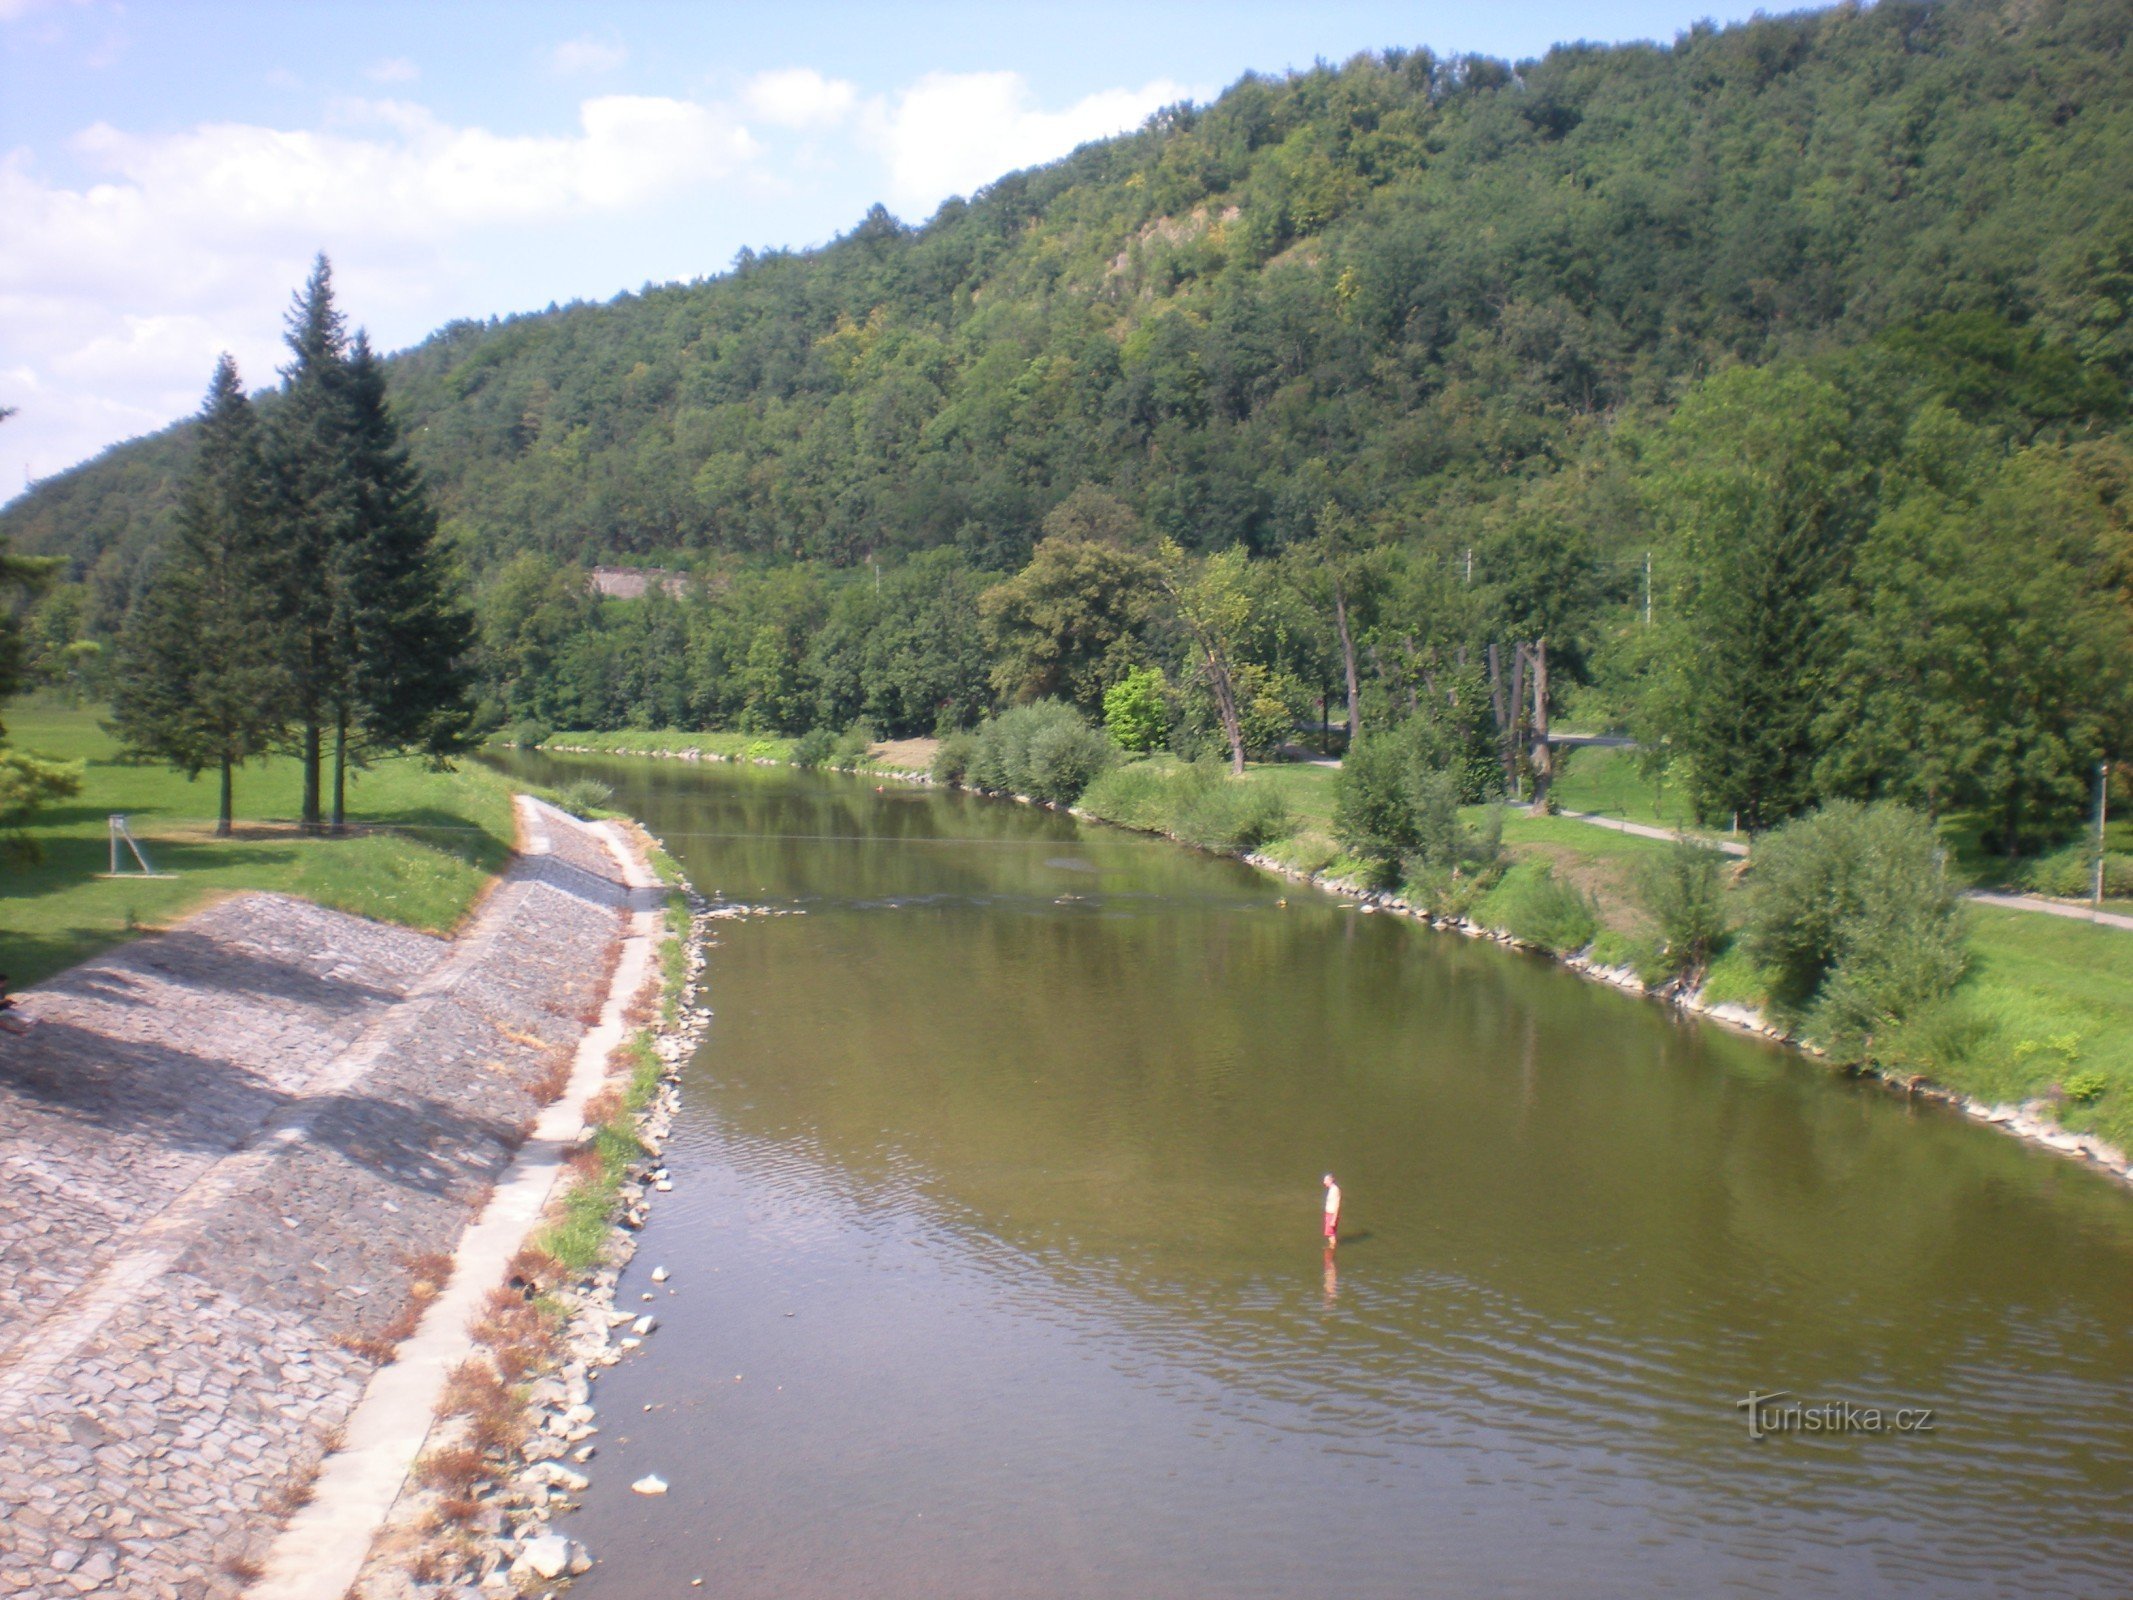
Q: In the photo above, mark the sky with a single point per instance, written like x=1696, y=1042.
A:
x=168, y=170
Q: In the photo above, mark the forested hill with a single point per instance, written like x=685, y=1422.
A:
x=1415, y=284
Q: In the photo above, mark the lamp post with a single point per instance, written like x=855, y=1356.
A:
x=2103, y=802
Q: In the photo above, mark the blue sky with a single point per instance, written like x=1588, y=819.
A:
x=167, y=170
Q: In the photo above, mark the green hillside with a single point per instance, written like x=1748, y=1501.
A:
x=1421, y=284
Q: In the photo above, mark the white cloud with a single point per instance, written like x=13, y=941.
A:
x=799, y=97
x=952, y=132
x=116, y=293
x=117, y=289
x=393, y=69
x=587, y=55
x=13, y=10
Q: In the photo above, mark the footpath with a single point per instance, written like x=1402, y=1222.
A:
x=1989, y=897
x=234, y=1161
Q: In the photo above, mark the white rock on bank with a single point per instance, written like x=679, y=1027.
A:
x=644, y=1325
x=659, y=1274
x=650, y=1483
x=552, y=1555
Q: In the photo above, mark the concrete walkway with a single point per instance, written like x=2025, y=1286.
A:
x=228, y=1151
x=321, y=1551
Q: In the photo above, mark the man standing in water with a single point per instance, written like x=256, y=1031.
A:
x=1333, y=1211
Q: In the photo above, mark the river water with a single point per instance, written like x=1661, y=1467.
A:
x=996, y=1270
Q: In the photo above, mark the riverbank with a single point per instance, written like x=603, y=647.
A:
x=2045, y=1009
x=241, y=1155
x=2046, y=1000
x=422, y=849
x=514, y=1423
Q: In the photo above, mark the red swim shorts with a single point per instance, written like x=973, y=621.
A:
x=1333, y=1220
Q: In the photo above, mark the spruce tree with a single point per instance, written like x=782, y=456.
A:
x=314, y=492
x=201, y=682
x=410, y=682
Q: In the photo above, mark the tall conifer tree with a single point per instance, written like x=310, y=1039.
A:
x=201, y=682
x=314, y=489
x=410, y=683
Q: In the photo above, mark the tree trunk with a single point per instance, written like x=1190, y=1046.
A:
x=311, y=821
x=1340, y=625
x=340, y=771
x=222, y=814
x=1515, y=706
x=1226, y=704
x=1543, y=751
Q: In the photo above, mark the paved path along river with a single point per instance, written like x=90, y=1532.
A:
x=993, y=1265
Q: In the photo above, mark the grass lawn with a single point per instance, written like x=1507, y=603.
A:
x=426, y=845
x=2049, y=998
x=1305, y=789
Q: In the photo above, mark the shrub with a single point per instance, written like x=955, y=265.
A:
x=1200, y=804
x=1133, y=794
x=2070, y=874
x=2086, y=1087
x=1532, y=905
x=584, y=796
x=1065, y=759
x=1685, y=892
x=1371, y=814
x=1217, y=811
x=1399, y=797
x=1851, y=911
x=1044, y=750
x=951, y=759
x=528, y=734
x=814, y=748
x=1137, y=709
x=851, y=747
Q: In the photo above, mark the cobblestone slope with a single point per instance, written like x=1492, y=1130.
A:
x=228, y=1150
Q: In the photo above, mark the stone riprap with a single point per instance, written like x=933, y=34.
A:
x=230, y=1152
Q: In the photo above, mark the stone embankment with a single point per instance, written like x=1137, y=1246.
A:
x=237, y=1156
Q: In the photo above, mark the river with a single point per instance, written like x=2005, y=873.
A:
x=996, y=1271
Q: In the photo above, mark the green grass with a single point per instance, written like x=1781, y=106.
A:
x=1606, y=782
x=1305, y=789
x=585, y=1220
x=2045, y=998
x=426, y=845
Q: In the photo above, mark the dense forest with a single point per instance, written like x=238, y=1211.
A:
x=1765, y=392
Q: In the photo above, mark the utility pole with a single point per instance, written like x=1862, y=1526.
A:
x=1647, y=588
x=2103, y=805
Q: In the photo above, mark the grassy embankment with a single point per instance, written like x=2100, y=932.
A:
x=585, y=1217
x=424, y=845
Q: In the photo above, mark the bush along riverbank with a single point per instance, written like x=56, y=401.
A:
x=2034, y=1034
x=518, y=1424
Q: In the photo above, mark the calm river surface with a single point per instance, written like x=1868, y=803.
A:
x=996, y=1271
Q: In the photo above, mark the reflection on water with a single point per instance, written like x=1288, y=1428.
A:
x=997, y=1269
